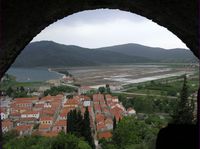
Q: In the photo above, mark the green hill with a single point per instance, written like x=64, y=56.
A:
x=51, y=54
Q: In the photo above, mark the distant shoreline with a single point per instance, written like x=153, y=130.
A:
x=50, y=70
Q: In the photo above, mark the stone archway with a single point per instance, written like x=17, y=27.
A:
x=22, y=20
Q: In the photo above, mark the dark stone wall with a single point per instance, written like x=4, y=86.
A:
x=22, y=20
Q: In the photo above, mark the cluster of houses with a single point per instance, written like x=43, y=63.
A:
x=47, y=116
x=33, y=115
x=106, y=108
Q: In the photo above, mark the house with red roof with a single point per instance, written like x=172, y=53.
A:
x=7, y=125
x=38, y=106
x=60, y=125
x=24, y=129
x=118, y=106
x=97, y=98
x=106, y=110
x=99, y=118
x=30, y=114
x=46, y=120
x=22, y=104
x=44, y=127
x=14, y=109
x=97, y=108
x=109, y=123
x=101, y=127
x=27, y=121
x=105, y=135
x=71, y=103
x=47, y=104
x=15, y=116
x=102, y=101
x=49, y=112
x=63, y=113
x=117, y=113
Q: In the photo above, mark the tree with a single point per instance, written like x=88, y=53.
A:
x=183, y=112
x=10, y=135
x=62, y=141
x=102, y=90
x=131, y=131
x=114, y=123
x=22, y=89
x=9, y=91
x=79, y=124
x=87, y=130
x=69, y=122
x=108, y=89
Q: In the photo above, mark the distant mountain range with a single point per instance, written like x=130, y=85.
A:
x=51, y=54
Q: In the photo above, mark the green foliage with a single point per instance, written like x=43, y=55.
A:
x=86, y=129
x=62, y=141
x=9, y=91
x=36, y=126
x=10, y=86
x=156, y=121
x=17, y=92
x=79, y=126
x=74, y=122
x=148, y=104
x=57, y=90
x=102, y=90
x=132, y=133
x=114, y=123
x=108, y=89
x=9, y=136
x=183, y=112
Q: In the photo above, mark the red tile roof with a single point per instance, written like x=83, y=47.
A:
x=100, y=118
x=105, y=135
x=31, y=112
x=65, y=111
x=7, y=123
x=61, y=123
x=41, y=105
x=108, y=121
x=23, y=127
x=44, y=126
x=100, y=126
x=72, y=101
x=98, y=97
x=27, y=119
x=46, y=118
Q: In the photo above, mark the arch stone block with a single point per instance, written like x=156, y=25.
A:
x=21, y=21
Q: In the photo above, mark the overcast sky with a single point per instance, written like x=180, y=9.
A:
x=104, y=27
